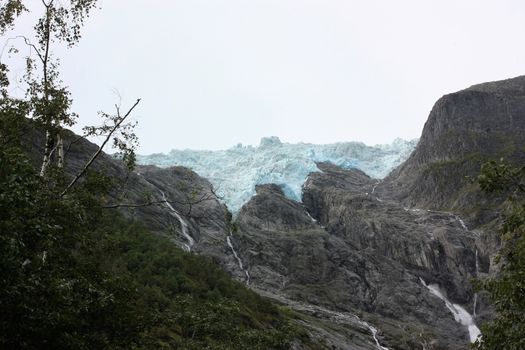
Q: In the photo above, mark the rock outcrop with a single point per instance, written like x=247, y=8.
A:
x=358, y=258
x=174, y=202
x=464, y=130
x=372, y=246
x=349, y=251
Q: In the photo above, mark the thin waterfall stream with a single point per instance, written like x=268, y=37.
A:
x=176, y=214
x=239, y=261
x=183, y=224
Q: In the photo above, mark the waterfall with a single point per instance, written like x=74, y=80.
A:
x=239, y=261
x=310, y=216
x=373, y=330
x=183, y=224
x=476, y=294
x=375, y=185
x=462, y=223
x=336, y=316
x=464, y=226
x=460, y=314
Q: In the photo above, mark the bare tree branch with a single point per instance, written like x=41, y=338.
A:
x=79, y=138
x=151, y=203
x=97, y=153
x=133, y=205
x=27, y=42
x=215, y=192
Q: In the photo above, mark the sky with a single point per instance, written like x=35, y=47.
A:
x=214, y=73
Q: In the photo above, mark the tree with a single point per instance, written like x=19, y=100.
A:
x=56, y=290
x=78, y=276
x=507, y=289
x=49, y=101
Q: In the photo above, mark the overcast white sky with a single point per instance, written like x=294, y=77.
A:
x=212, y=73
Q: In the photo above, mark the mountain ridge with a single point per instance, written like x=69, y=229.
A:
x=353, y=245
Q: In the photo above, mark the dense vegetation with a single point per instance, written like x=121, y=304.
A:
x=507, y=290
x=76, y=275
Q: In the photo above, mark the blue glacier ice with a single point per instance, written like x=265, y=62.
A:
x=235, y=172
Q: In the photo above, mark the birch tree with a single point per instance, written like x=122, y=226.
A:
x=61, y=23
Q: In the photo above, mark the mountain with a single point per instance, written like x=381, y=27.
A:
x=236, y=171
x=464, y=130
x=346, y=249
x=363, y=263
x=399, y=251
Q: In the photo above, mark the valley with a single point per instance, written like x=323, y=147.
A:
x=398, y=250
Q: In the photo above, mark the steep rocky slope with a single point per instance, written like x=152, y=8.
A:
x=464, y=129
x=377, y=247
x=349, y=251
x=365, y=263
x=174, y=202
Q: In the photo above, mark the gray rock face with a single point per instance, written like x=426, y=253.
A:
x=269, y=209
x=361, y=254
x=204, y=216
x=355, y=246
x=464, y=130
x=370, y=242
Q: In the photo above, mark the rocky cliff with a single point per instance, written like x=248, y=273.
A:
x=375, y=247
x=345, y=249
x=464, y=130
x=365, y=263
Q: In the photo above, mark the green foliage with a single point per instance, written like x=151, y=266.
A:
x=49, y=101
x=507, y=290
x=197, y=305
x=55, y=291
x=77, y=276
x=9, y=11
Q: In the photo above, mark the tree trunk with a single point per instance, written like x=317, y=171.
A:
x=47, y=153
x=48, y=120
x=60, y=148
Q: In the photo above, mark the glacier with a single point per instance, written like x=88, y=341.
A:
x=234, y=172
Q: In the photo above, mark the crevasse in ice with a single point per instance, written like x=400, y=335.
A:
x=235, y=172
